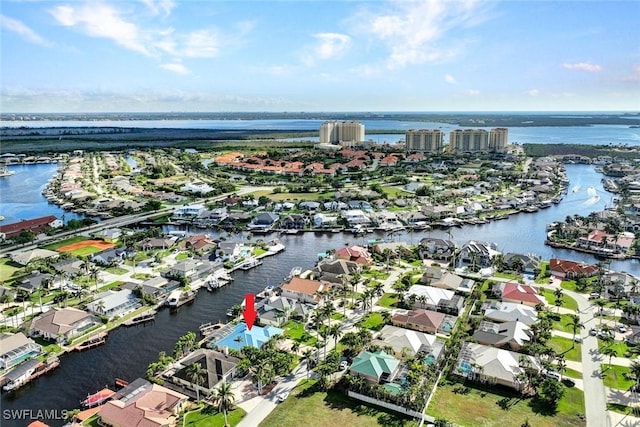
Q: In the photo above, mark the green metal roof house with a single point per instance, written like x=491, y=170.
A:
x=375, y=367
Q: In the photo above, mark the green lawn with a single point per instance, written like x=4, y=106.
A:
x=296, y=332
x=620, y=346
x=498, y=407
x=85, y=251
x=572, y=373
x=389, y=300
x=8, y=269
x=257, y=251
x=373, y=321
x=210, y=417
x=310, y=407
x=117, y=270
x=111, y=285
x=571, y=350
x=182, y=256
x=57, y=245
x=614, y=376
x=567, y=301
x=561, y=325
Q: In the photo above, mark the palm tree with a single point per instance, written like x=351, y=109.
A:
x=308, y=356
x=600, y=303
x=559, y=294
x=223, y=397
x=94, y=273
x=575, y=325
x=336, y=333
x=609, y=351
x=196, y=374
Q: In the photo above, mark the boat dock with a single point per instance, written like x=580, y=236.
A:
x=26, y=372
x=149, y=316
x=179, y=298
x=207, y=329
x=99, y=339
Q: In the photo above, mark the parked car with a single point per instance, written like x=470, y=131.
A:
x=568, y=382
x=552, y=374
x=343, y=365
x=594, y=295
x=578, y=340
x=593, y=332
x=281, y=397
x=622, y=329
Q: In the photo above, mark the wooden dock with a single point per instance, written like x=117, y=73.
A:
x=92, y=342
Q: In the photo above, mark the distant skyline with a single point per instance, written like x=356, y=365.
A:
x=432, y=55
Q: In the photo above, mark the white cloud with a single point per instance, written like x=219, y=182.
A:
x=328, y=46
x=533, y=92
x=158, y=7
x=450, y=79
x=175, y=67
x=413, y=31
x=101, y=20
x=583, y=66
x=473, y=92
x=201, y=44
x=23, y=30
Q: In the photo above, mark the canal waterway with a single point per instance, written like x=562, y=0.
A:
x=128, y=351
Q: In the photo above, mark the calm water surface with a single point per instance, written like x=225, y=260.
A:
x=129, y=350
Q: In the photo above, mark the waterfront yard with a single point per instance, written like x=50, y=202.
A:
x=309, y=406
x=498, y=407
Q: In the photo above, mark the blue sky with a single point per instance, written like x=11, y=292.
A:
x=432, y=55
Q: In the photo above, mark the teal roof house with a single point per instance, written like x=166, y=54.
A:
x=378, y=367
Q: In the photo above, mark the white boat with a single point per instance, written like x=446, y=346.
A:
x=5, y=172
x=174, y=298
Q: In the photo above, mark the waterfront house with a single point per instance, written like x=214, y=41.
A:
x=620, y=284
x=62, y=324
x=356, y=254
x=492, y=365
x=217, y=366
x=409, y=343
x=35, y=225
x=513, y=334
x=477, y=252
x=188, y=212
x=192, y=269
x=529, y=263
x=396, y=249
x=16, y=348
x=143, y=404
x=198, y=242
x=440, y=278
x=294, y=222
x=435, y=248
x=158, y=242
x=518, y=293
x=375, y=367
x=565, y=269
x=335, y=270
x=241, y=336
x=229, y=251
x=422, y=320
x=264, y=221
x=309, y=206
x=114, y=303
x=509, y=311
x=356, y=217
x=321, y=220
x=158, y=287
x=25, y=257
x=304, y=290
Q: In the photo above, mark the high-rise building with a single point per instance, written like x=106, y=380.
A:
x=468, y=140
x=498, y=139
x=424, y=140
x=335, y=132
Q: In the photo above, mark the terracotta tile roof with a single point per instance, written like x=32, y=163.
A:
x=303, y=286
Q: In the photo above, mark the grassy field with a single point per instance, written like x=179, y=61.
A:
x=389, y=300
x=571, y=350
x=567, y=301
x=310, y=407
x=374, y=321
x=57, y=245
x=495, y=407
x=614, y=376
x=86, y=251
x=8, y=269
x=292, y=196
x=561, y=325
x=296, y=332
x=210, y=417
x=620, y=346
